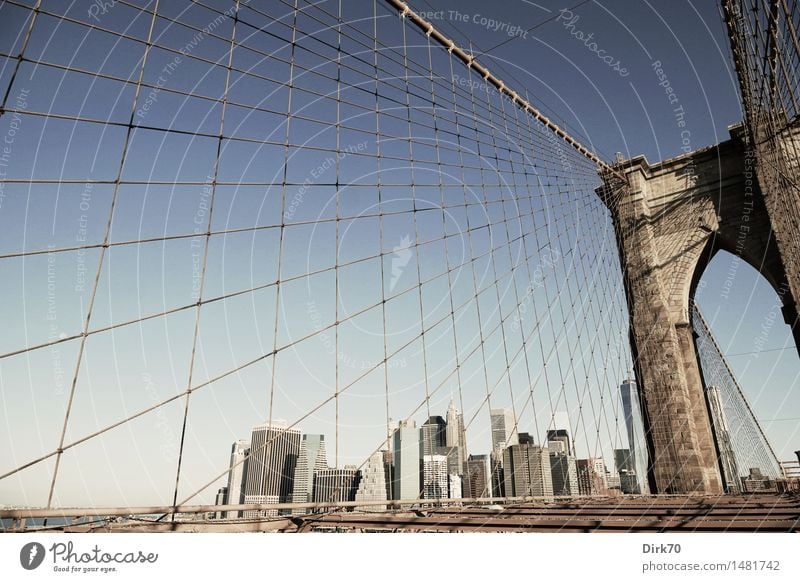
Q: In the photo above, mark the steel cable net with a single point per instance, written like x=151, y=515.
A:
x=766, y=51
x=742, y=446
x=217, y=215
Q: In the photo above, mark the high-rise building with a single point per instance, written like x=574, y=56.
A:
x=558, y=441
x=526, y=471
x=455, y=487
x=435, y=482
x=601, y=472
x=270, y=472
x=373, y=483
x=388, y=469
x=406, y=461
x=312, y=458
x=222, y=495
x=591, y=477
x=719, y=424
x=634, y=425
x=456, y=436
x=504, y=430
x=564, y=472
x=626, y=471
x=236, y=476
x=477, y=482
x=498, y=484
x=454, y=467
x=432, y=436
x=336, y=485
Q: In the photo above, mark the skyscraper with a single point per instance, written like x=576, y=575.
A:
x=335, y=485
x=564, y=471
x=591, y=477
x=435, y=483
x=634, y=425
x=558, y=441
x=388, y=469
x=373, y=483
x=406, y=459
x=719, y=424
x=504, y=429
x=222, y=494
x=236, y=475
x=497, y=474
x=456, y=436
x=270, y=471
x=312, y=458
x=628, y=481
x=526, y=471
x=432, y=436
x=477, y=481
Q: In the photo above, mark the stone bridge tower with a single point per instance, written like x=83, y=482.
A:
x=670, y=219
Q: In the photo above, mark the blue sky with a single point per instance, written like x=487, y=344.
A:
x=390, y=236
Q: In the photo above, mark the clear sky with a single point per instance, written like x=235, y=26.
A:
x=390, y=235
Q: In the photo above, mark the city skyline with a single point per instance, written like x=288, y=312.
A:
x=338, y=220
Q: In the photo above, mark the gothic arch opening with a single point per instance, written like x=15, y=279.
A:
x=749, y=365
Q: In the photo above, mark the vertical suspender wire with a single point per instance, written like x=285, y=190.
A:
x=338, y=223
x=278, y=289
x=203, y=266
x=460, y=148
x=388, y=478
x=496, y=284
x=478, y=155
x=103, y=251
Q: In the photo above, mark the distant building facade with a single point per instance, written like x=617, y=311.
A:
x=456, y=437
x=373, y=483
x=406, y=461
x=312, y=458
x=526, y=471
x=435, y=482
x=237, y=472
x=504, y=430
x=432, y=436
x=335, y=485
x=564, y=472
x=270, y=472
x=591, y=478
x=478, y=481
x=634, y=426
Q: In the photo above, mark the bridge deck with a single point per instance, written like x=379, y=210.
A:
x=752, y=513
